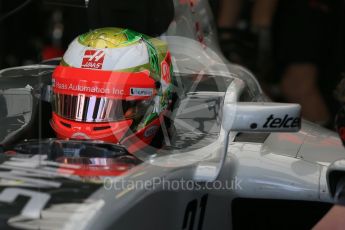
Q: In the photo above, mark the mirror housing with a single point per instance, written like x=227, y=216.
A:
x=17, y=108
x=261, y=117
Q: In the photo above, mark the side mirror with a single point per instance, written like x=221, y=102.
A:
x=261, y=117
x=16, y=113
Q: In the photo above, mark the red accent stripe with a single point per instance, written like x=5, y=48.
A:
x=111, y=170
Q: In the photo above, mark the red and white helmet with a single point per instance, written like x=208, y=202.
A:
x=113, y=85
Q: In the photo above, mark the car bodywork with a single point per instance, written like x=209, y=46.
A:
x=237, y=180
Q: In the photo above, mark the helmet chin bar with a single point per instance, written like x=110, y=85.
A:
x=111, y=132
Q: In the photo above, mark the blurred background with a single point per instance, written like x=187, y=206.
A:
x=296, y=48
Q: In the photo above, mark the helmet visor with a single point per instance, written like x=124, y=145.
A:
x=85, y=108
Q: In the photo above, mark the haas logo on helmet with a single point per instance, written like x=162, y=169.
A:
x=93, y=59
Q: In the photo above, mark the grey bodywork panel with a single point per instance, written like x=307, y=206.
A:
x=312, y=143
x=321, y=146
x=280, y=166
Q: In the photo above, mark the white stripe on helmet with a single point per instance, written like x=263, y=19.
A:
x=115, y=58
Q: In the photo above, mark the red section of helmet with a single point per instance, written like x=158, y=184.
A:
x=109, y=132
x=142, y=137
x=113, y=85
x=99, y=83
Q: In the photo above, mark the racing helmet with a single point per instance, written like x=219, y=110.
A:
x=112, y=85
